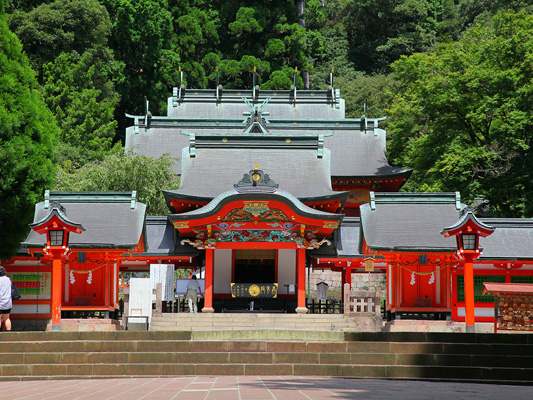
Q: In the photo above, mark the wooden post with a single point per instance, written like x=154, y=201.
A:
x=469, y=293
x=300, y=265
x=56, y=294
x=208, y=295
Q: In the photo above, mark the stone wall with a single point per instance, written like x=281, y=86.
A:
x=362, y=281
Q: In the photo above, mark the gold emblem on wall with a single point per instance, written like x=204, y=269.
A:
x=256, y=208
x=331, y=224
x=181, y=225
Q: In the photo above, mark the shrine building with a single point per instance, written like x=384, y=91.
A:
x=274, y=184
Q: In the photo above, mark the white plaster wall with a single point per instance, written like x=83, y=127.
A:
x=286, y=269
x=222, y=270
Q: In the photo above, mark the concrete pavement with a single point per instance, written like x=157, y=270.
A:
x=256, y=388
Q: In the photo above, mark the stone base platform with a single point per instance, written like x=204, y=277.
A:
x=88, y=325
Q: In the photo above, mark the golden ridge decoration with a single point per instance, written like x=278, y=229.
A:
x=256, y=208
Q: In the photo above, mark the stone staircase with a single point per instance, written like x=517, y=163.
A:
x=397, y=355
x=252, y=321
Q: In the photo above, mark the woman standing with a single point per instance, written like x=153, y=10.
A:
x=5, y=300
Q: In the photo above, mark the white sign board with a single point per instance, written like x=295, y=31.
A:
x=181, y=286
x=140, y=299
x=164, y=274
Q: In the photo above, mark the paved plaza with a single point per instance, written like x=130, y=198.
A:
x=256, y=388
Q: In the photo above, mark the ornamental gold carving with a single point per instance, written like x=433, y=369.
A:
x=331, y=224
x=181, y=225
x=256, y=208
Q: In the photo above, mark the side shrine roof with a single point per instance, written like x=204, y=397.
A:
x=111, y=219
x=512, y=239
x=410, y=221
x=298, y=165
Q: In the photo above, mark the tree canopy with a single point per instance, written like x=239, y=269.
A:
x=28, y=134
x=463, y=117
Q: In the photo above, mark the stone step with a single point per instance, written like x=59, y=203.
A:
x=117, y=370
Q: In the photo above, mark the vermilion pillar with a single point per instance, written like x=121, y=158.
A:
x=208, y=295
x=56, y=294
x=300, y=266
x=107, y=300
x=469, y=292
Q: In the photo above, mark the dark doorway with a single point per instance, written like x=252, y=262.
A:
x=255, y=266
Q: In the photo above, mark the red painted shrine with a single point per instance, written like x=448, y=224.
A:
x=274, y=185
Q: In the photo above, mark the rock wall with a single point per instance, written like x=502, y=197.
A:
x=362, y=281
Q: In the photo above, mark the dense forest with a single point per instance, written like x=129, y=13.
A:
x=453, y=77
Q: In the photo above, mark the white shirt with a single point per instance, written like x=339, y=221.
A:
x=193, y=284
x=5, y=293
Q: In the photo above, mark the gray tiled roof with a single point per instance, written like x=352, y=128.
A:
x=360, y=154
x=108, y=225
x=512, y=239
x=214, y=171
x=409, y=226
x=159, y=236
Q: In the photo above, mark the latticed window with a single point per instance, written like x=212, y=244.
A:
x=478, y=287
x=521, y=279
x=56, y=238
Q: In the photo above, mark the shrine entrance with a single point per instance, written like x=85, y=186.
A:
x=254, y=266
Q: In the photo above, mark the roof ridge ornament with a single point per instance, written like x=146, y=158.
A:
x=254, y=178
x=255, y=121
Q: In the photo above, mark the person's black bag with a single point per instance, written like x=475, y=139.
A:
x=15, y=294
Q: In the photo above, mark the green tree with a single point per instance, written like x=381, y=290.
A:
x=77, y=89
x=463, y=118
x=28, y=133
x=380, y=31
x=60, y=26
x=125, y=171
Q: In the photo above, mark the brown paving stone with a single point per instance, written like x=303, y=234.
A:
x=317, y=369
x=178, y=369
x=249, y=358
x=143, y=369
x=48, y=370
x=13, y=370
x=369, y=347
x=268, y=369
x=108, y=369
x=327, y=347
x=215, y=346
x=164, y=358
x=286, y=347
x=297, y=358
x=416, y=348
x=373, y=359
x=335, y=358
x=12, y=358
x=118, y=346
x=74, y=358
x=204, y=358
x=364, y=371
x=243, y=346
x=227, y=369
x=79, y=369
x=107, y=358
x=163, y=346
x=172, y=335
